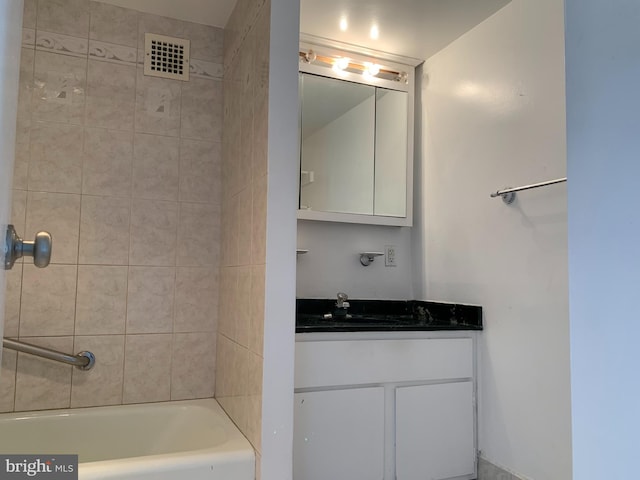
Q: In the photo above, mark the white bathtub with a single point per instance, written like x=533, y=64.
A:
x=188, y=440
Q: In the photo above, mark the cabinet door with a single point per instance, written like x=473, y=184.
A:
x=339, y=435
x=434, y=431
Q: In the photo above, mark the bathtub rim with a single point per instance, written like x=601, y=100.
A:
x=236, y=448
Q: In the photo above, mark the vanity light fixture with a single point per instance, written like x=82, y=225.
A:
x=341, y=64
x=371, y=70
x=345, y=64
x=344, y=24
x=374, y=33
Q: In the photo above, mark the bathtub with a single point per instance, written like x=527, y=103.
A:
x=186, y=440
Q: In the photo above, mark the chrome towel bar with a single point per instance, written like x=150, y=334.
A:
x=509, y=194
x=82, y=360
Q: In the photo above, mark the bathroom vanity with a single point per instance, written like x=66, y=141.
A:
x=384, y=398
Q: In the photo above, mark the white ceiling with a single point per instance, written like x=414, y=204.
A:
x=412, y=28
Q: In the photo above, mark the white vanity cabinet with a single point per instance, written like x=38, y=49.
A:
x=339, y=434
x=382, y=406
x=435, y=431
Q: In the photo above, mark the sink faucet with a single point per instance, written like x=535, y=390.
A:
x=342, y=301
x=341, y=308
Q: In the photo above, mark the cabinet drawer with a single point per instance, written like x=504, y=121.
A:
x=360, y=362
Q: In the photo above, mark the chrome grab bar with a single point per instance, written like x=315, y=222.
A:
x=508, y=194
x=82, y=360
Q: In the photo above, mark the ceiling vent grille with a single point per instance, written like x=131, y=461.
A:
x=166, y=57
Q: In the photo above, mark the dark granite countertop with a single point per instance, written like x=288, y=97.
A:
x=384, y=316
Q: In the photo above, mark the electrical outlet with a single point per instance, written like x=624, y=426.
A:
x=390, y=256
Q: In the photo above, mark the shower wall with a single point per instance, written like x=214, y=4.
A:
x=244, y=216
x=124, y=170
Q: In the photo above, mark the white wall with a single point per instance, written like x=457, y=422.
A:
x=333, y=264
x=603, y=101
x=10, y=34
x=280, y=278
x=494, y=116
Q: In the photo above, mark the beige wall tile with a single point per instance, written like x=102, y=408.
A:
x=254, y=415
x=242, y=310
x=234, y=248
x=70, y=17
x=239, y=385
x=157, y=105
x=223, y=367
x=245, y=158
x=230, y=226
x=245, y=221
x=244, y=172
x=56, y=158
x=154, y=230
x=259, y=222
x=256, y=324
x=43, y=384
x=19, y=211
x=23, y=124
x=258, y=464
x=102, y=385
x=255, y=421
x=206, y=42
x=29, y=14
x=261, y=56
x=196, y=299
x=147, y=368
x=247, y=75
x=201, y=110
x=8, y=380
x=200, y=169
x=13, y=293
x=162, y=26
x=111, y=93
x=108, y=159
x=191, y=379
x=260, y=150
x=58, y=214
x=61, y=44
x=236, y=181
x=150, y=302
x=104, y=230
x=48, y=300
x=113, y=24
x=79, y=164
x=156, y=167
x=60, y=82
x=101, y=305
x=21, y=166
x=112, y=53
x=228, y=297
x=199, y=226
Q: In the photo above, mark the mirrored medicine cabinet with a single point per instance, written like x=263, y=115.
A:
x=356, y=138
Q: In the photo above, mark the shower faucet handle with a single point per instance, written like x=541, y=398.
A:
x=15, y=248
